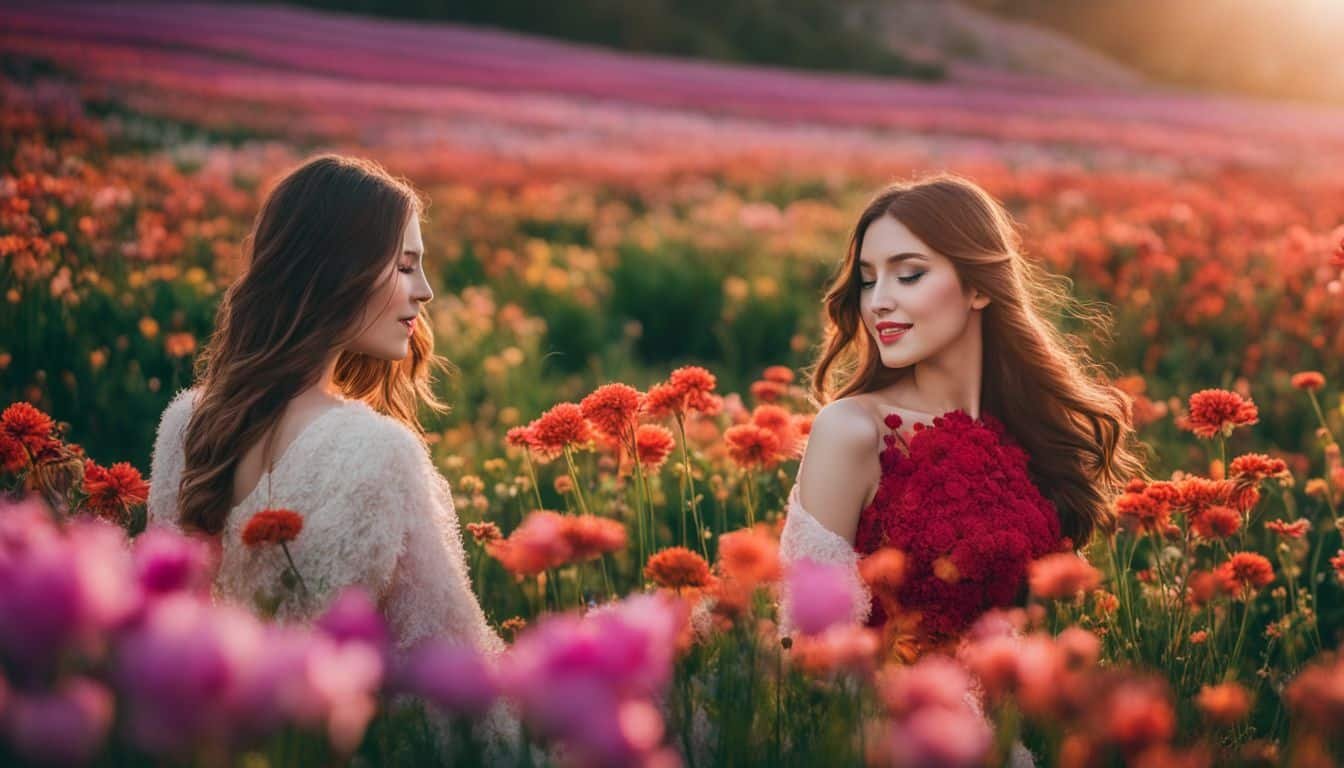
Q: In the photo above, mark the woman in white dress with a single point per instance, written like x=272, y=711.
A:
x=306, y=400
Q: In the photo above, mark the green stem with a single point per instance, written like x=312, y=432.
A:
x=532, y=473
x=574, y=478
x=690, y=481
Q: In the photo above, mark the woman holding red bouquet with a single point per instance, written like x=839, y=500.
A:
x=959, y=425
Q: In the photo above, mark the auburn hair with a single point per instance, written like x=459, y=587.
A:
x=322, y=240
x=1053, y=399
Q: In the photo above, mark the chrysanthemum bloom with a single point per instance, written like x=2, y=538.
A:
x=653, y=444
x=1294, y=530
x=779, y=421
x=519, y=437
x=749, y=556
x=1224, y=704
x=780, y=374
x=752, y=446
x=697, y=387
x=1309, y=381
x=677, y=568
x=1254, y=467
x=1201, y=587
x=28, y=425
x=272, y=526
x=768, y=391
x=167, y=561
x=485, y=532
x=114, y=490
x=1142, y=510
x=538, y=543
x=662, y=401
x=13, y=456
x=1061, y=576
x=612, y=409
x=1244, y=573
x=1138, y=714
x=1216, y=522
x=563, y=425
x=591, y=536
x=1218, y=411
x=884, y=571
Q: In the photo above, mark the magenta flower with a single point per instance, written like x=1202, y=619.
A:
x=67, y=725
x=456, y=678
x=167, y=561
x=949, y=738
x=821, y=595
x=353, y=616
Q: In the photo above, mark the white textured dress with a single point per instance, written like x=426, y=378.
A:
x=376, y=514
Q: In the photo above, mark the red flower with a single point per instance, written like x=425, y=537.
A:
x=519, y=437
x=678, y=567
x=766, y=391
x=779, y=374
x=1218, y=411
x=1294, y=530
x=752, y=446
x=484, y=533
x=653, y=444
x=1253, y=467
x=1244, y=573
x=696, y=386
x=537, y=544
x=13, y=456
x=591, y=536
x=562, y=425
x=663, y=400
x=612, y=409
x=1216, y=522
x=1225, y=704
x=1141, y=509
x=1309, y=381
x=272, y=526
x=114, y=490
x=1337, y=562
x=27, y=425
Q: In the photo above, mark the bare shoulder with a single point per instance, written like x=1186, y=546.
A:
x=846, y=425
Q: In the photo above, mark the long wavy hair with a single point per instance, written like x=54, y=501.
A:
x=1054, y=400
x=321, y=242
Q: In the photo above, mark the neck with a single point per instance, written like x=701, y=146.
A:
x=325, y=387
x=951, y=379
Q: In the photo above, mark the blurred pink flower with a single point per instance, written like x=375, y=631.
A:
x=820, y=595
x=67, y=725
x=167, y=561
x=456, y=678
x=939, y=736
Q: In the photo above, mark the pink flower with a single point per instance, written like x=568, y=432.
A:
x=167, y=561
x=453, y=677
x=67, y=725
x=948, y=738
x=820, y=596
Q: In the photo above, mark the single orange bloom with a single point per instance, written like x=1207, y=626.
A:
x=1309, y=381
x=612, y=409
x=752, y=446
x=28, y=425
x=1201, y=587
x=1216, y=522
x=13, y=456
x=653, y=444
x=562, y=425
x=591, y=536
x=112, y=491
x=1140, y=508
x=884, y=572
x=1061, y=576
x=484, y=533
x=780, y=374
x=1294, y=530
x=1244, y=573
x=749, y=556
x=519, y=437
x=1218, y=411
x=272, y=526
x=538, y=543
x=779, y=421
x=766, y=391
x=696, y=386
x=1254, y=467
x=1225, y=704
x=678, y=567
x=663, y=400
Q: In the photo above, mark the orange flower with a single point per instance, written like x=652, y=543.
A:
x=1253, y=467
x=484, y=533
x=1201, y=587
x=27, y=425
x=696, y=386
x=1294, y=530
x=1218, y=411
x=752, y=446
x=1061, y=576
x=678, y=567
x=779, y=421
x=519, y=437
x=1244, y=573
x=114, y=490
x=884, y=572
x=1216, y=522
x=749, y=556
x=1199, y=636
x=1309, y=381
x=612, y=409
x=13, y=456
x=780, y=374
x=538, y=543
x=766, y=391
x=561, y=426
x=662, y=400
x=1224, y=704
x=272, y=526
x=591, y=536
x=653, y=444
x=1142, y=508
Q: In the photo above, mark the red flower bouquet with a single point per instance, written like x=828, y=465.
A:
x=962, y=507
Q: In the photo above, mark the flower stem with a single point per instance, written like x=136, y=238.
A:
x=574, y=477
x=690, y=481
x=295, y=569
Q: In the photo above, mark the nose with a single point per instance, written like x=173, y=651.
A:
x=880, y=301
x=423, y=292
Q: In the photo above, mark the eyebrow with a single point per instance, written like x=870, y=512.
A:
x=896, y=257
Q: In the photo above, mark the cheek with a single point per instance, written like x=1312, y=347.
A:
x=939, y=299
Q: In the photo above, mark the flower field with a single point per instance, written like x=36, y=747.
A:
x=628, y=254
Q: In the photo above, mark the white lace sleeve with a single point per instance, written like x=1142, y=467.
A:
x=804, y=537
x=165, y=470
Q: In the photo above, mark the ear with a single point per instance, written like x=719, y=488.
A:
x=979, y=300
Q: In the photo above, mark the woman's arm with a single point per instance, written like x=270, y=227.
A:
x=840, y=467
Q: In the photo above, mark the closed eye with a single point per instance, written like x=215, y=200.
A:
x=905, y=280
x=405, y=270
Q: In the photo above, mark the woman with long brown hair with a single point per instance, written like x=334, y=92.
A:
x=936, y=319
x=306, y=399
